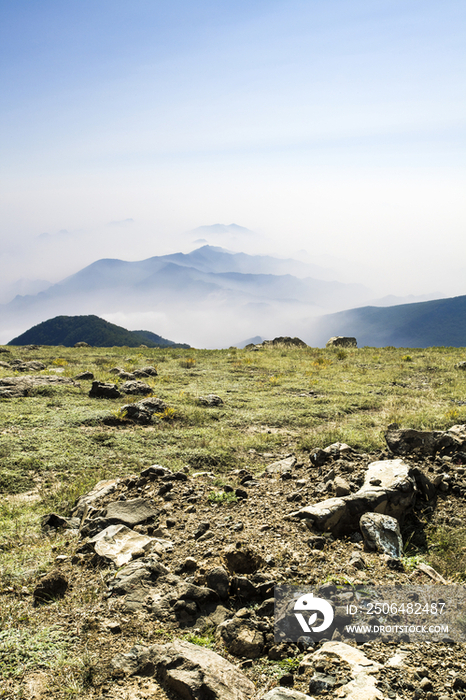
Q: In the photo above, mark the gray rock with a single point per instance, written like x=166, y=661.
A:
x=357, y=561
x=388, y=488
x=136, y=660
x=218, y=580
x=14, y=387
x=136, y=573
x=342, y=487
x=153, y=404
x=320, y=683
x=28, y=366
x=210, y=400
x=136, y=413
x=341, y=341
x=52, y=521
x=104, y=390
x=142, y=411
x=382, y=533
x=241, y=637
x=363, y=684
x=156, y=471
x=189, y=671
x=266, y=609
x=100, y=490
x=201, y=529
x=134, y=386
x=132, y=512
x=85, y=375
x=242, y=560
x=120, y=544
x=282, y=466
x=286, y=341
x=146, y=372
x=243, y=588
x=426, y=442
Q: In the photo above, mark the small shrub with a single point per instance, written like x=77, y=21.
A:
x=207, y=640
x=168, y=414
x=407, y=358
x=222, y=497
x=60, y=362
x=447, y=551
x=189, y=363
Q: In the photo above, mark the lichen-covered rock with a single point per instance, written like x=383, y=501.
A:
x=134, y=386
x=341, y=341
x=382, y=533
x=104, y=390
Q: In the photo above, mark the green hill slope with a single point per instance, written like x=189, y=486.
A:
x=441, y=322
x=95, y=331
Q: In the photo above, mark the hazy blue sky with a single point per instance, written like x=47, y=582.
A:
x=336, y=126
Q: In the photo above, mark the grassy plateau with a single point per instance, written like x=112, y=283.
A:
x=56, y=443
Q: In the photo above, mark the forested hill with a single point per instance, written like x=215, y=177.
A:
x=95, y=331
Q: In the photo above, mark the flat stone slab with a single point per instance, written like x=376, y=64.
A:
x=14, y=387
x=282, y=466
x=120, y=544
x=101, y=489
x=132, y=512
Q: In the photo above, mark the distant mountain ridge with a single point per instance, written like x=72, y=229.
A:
x=213, y=295
x=95, y=331
x=440, y=323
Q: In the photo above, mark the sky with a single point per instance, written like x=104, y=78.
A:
x=334, y=127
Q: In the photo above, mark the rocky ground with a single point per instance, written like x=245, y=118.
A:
x=183, y=565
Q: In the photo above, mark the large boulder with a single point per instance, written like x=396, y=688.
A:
x=426, y=442
x=28, y=366
x=388, y=488
x=286, y=341
x=104, y=390
x=341, y=341
x=189, y=671
x=135, y=387
x=13, y=387
x=363, y=685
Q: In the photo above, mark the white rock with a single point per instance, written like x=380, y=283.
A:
x=120, y=544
